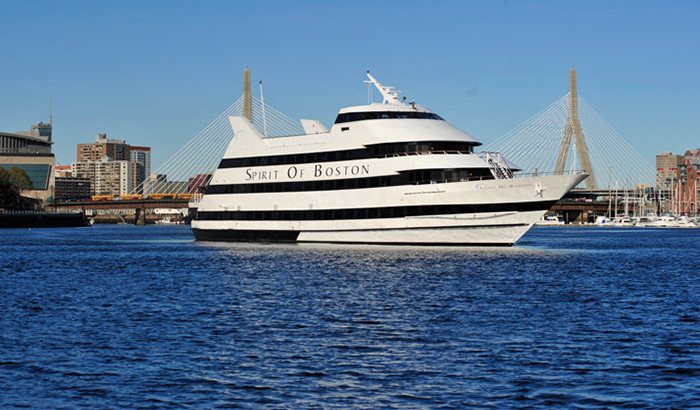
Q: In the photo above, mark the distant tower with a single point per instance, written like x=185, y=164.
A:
x=571, y=131
x=247, y=100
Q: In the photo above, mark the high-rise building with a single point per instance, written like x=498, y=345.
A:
x=113, y=166
x=667, y=165
x=142, y=157
x=686, y=186
x=107, y=177
x=677, y=179
x=104, y=149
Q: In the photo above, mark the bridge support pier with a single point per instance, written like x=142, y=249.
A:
x=140, y=216
x=584, y=217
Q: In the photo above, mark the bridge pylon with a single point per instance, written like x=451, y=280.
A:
x=247, y=99
x=573, y=131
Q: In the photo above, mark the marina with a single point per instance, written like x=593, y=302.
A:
x=34, y=219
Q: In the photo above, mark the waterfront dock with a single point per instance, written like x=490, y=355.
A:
x=36, y=219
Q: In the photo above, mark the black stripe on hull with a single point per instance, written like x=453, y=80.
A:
x=244, y=235
x=371, y=213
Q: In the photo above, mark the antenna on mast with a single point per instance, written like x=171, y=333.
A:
x=390, y=94
x=50, y=112
x=369, y=90
x=262, y=105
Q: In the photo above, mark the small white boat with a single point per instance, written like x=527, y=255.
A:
x=601, y=220
x=685, y=222
x=622, y=221
x=644, y=221
x=663, y=221
x=550, y=220
x=167, y=221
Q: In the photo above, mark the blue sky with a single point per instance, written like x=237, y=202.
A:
x=156, y=72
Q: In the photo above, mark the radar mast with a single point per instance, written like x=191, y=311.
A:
x=390, y=94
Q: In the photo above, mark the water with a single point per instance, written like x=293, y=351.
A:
x=116, y=316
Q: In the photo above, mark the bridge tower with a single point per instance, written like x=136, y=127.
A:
x=247, y=99
x=573, y=131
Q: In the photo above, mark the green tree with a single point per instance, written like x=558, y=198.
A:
x=8, y=193
x=11, y=183
x=19, y=178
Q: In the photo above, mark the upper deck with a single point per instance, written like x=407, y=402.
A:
x=355, y=127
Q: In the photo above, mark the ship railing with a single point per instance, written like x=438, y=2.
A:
x=548, y=173
x=447, y=181
x=441, y=152
x=491, y=177
x=196, y=198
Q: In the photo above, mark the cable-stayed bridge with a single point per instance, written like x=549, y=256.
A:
x=191, y=165
x=570, y=134
x=567, y=135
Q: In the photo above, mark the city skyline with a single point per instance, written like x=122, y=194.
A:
x=156, y=74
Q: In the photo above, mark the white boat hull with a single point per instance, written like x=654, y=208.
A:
x=498, y=235
x=532, y=195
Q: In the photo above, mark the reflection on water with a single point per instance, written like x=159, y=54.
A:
x=144, y=316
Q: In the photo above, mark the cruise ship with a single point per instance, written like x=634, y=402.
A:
x=385, y=173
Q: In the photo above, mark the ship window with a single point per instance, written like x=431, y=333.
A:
x=370, y=151
x=377, y=115
x=365, y=213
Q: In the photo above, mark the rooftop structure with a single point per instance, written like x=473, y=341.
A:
x=104, y=149
x=36, y=141
x=62, y=171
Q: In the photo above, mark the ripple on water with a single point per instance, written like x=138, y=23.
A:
x=146, y=317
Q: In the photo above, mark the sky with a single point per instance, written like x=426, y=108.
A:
x=157, y=72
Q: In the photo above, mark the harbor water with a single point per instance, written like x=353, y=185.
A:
x=127, y=317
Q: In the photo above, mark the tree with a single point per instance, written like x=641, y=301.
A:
x=11, y=183
x=19, y=178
